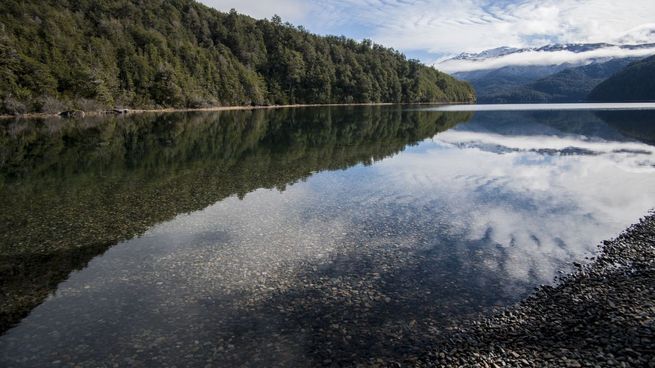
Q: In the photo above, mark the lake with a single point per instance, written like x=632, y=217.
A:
x=300, y=236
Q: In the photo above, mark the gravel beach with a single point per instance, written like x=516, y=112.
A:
x=602, y=315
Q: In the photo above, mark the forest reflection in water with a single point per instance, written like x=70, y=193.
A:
x=301, y=234
x=72, y=188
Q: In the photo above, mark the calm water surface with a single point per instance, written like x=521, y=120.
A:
x=297, y=237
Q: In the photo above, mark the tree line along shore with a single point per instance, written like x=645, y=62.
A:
x=93, y=55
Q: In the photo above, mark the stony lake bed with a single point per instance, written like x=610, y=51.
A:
x=328, y=236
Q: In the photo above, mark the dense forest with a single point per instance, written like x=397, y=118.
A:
x=635, y=83
x=96, y=54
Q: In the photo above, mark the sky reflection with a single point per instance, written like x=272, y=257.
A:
x=469, y=219
x=535, y=195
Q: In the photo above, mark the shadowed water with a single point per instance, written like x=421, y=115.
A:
x=299, y=236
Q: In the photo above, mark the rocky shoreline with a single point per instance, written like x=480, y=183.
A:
x=601, y=315
x=123, y=111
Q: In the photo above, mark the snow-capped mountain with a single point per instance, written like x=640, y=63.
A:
x=497, y=52
x=635, y=43
x=551, y=73
x=572, y=54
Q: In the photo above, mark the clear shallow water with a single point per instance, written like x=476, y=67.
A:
x=299, y=237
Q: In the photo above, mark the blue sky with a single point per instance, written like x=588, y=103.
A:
x=431, y=30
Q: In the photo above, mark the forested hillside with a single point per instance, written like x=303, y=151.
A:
x=574, y=84
x=94, y=54
x=635, y=83
x=542, y=84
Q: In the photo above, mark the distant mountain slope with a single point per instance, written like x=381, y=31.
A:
x=591, y=72
x=636, y=82
x=574, y=84
x=552, y=73
x=90, y=54
x=508, y=84
x=525, y=84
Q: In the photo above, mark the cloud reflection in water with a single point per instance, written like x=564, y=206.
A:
x=472, y=218
x=534, y=195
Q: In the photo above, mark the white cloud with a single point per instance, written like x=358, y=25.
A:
x=474, y=25
x=446, y=27
x=644, y=33
x=290, y=10
x=540, y=58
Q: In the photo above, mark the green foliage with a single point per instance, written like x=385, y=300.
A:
x=635, y=83
x=152, y=53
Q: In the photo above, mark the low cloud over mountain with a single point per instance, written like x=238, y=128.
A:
x=574, y=54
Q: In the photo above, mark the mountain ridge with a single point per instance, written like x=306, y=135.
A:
x=634, y=83
x=544, y=74
x=538, y=84
x=571, y=47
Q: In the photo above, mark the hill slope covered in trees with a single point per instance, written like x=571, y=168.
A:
x=634, y=83
x=94, y=54
x=542, y=84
